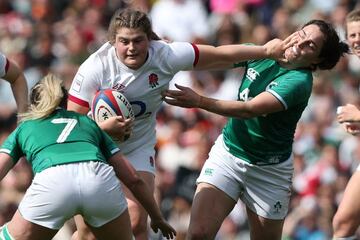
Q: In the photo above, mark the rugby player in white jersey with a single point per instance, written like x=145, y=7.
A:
x=138, y=64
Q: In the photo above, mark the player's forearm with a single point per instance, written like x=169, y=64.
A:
x=235, y=109
x=145, y=197
x=223, y=57
x=6, y=164
x=20, y=91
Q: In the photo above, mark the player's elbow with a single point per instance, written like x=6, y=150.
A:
x=248, y=111
x=134, y=182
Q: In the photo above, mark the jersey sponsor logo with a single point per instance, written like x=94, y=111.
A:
x=252, y=74
x=153, y=80
x=78, y=82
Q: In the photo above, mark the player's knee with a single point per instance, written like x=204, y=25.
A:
x=139, y=227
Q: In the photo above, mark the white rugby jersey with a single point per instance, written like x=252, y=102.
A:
x=142, y=87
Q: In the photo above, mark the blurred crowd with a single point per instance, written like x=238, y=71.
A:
x=56, y=36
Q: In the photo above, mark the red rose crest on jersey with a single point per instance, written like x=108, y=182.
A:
x=153, y=80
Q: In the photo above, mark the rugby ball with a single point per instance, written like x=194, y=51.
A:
x=108, y=103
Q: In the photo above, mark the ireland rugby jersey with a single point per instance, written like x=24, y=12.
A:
x=268, y=139
x=64, y=137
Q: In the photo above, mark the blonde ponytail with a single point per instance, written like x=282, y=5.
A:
x=45, y=97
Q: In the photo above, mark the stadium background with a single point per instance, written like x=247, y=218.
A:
x=58, y=35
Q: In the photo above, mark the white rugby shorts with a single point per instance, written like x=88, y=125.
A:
x=143, y=159
x=61, y=192
x=265, y=189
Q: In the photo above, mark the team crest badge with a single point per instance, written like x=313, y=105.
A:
x=153, y=80
x=277, y=207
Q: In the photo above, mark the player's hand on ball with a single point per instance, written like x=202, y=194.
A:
x=166, y=230
x=118, y=128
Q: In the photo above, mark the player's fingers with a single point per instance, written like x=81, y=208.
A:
x=180, y=86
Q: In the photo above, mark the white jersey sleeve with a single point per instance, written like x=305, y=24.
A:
x=182, y=56
x=86, y=81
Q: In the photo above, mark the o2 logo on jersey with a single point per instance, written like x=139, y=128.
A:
x=139, y=109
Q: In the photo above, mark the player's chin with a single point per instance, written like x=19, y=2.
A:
x=133, y=63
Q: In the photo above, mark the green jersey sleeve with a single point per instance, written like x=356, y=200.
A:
x=11, y=146
x=292, y=88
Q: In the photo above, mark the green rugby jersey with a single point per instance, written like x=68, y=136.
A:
x=63, y=137
x=268, y=139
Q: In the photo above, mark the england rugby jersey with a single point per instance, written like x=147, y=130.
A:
x=4, y=65
x=142, y=87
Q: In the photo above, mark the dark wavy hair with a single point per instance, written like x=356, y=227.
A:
x=332, y=48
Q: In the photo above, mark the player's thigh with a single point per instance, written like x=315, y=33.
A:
x=22, y=229
x=117, y=229
x=349, y=209
x=209, y=208
x=264, y=228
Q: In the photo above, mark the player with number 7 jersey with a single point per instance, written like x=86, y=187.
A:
x=71, y=156
x=79, y=137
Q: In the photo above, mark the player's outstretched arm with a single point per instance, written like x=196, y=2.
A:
x=18, y=85
x=128, y=175
x=6, y=164
x=225, y=56
x=264, y=103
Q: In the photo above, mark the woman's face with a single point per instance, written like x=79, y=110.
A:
x=131, y=46
x=353, y=36
x=306, y=50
